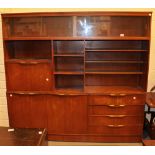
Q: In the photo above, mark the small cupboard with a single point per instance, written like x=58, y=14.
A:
x=82, y=75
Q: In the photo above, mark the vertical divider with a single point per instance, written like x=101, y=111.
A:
x=84, y=64
x=53, y=64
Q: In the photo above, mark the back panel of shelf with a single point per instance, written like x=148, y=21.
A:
x=28, y=49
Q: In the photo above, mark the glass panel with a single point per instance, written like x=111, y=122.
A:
x=24, y=27
x=112, y=26
x=58, y=26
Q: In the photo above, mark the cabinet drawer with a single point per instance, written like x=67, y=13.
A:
x=101, y=100
x=138, y=99
x=112, y=99
x=116, y=130
x=121, y=109
x=111, y=120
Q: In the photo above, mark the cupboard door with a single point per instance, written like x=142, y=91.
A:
x=27, y=111
x=67, y=114
x=24, y=76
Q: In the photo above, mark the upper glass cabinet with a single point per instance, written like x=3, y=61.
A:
x=112, y=26
x=76, y=26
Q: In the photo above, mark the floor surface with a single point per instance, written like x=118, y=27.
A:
x=54, y=143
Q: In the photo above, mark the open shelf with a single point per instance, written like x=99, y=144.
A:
x=68, y=47
x=69, y=81
x=28, y=49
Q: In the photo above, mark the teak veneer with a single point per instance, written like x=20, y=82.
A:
x=81, y=75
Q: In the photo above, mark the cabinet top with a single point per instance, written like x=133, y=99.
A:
x=88, y=13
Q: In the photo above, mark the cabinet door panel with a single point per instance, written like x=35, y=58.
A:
x=38, y=111
x=19, y=110
x=22, y=77
x=67, y=114
x=26, y=111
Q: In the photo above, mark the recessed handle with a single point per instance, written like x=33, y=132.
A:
x=116, y=106
x=117, y=95
x=28, y=63
x=115, y=126
x=116, y=116
x=23, y=93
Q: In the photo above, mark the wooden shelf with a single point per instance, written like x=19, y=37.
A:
x=68, y=73
x=69, y=55
x=77, y=38
x=113, y=61
x=70, y=91
x=113, y=72
x=113, y=50
x=28, y=61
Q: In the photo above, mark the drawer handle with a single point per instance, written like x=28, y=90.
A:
x=116, y=106
x=61, y=94
x=118, y=95
x=67, y=94
x=20, y=93
x=115, y=126
x=32, y=93
x=27, y=63
x=116, y=116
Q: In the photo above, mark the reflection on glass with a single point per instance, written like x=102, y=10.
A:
x=93, y=26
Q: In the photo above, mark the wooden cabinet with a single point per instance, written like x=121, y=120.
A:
x=67, y=114
x=29, y=76
x=116, y=114
x=83, y=75
x=27, y=110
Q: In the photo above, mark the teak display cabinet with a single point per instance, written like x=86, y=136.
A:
x=81, y=75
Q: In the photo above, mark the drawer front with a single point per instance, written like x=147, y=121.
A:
x=111, y=120
x=138, y=99
x=116, y=109
x=102, y=100
x=116, y=130
x=117, y=99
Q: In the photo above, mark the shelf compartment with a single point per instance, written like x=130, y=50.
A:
x=68, y=47
x=28, y=49
x=117, y=45
x=114, y=56
x=113, y=67
x=129, y=80
x=69, y=64
x=69, y=81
